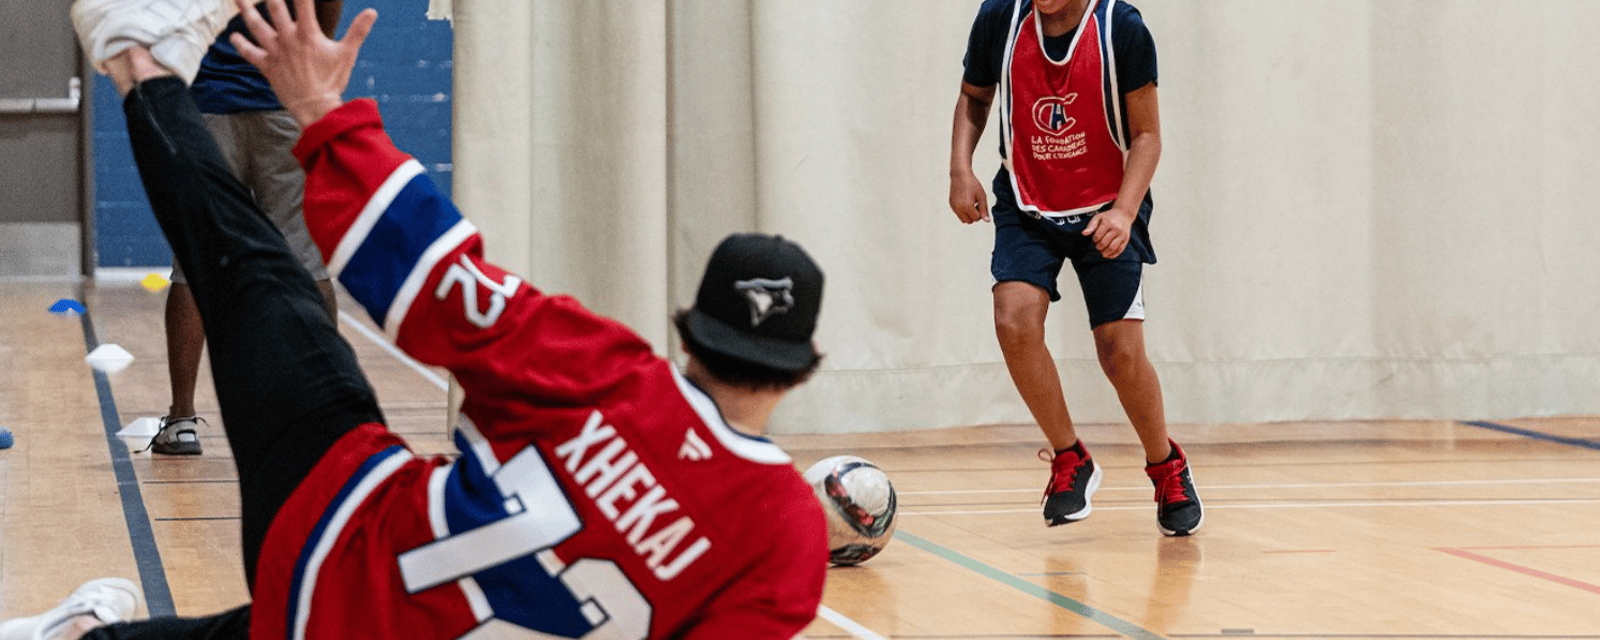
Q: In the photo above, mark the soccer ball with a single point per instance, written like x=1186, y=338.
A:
x=860, y=506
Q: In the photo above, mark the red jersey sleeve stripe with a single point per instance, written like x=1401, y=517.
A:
x=347, y=157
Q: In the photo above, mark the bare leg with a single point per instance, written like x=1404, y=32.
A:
x=186, y=339
x=1019, y=313
x=1120, y=345
x=329, y=298
x=76, y=627
x=133, y=66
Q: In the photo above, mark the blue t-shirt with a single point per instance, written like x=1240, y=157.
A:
x=1135, y=50
x=1131, y=41
x=227, y=83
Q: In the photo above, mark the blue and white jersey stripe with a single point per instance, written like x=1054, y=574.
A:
x=378, y=468
x=385, y=257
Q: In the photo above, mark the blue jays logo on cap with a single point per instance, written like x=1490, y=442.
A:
x=767, y=298
x=758, y=302
x=1050, y=113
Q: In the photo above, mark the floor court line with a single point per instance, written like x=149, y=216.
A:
x=1536, y=435
x=1300, y=485
x=1533, y=546
x=1286, y=505
x=383, y=343
x=1517, y=568
x=1389, y=636
x=850, y=626
x=141, y=535
x=1107, y=620
x=1250, y=634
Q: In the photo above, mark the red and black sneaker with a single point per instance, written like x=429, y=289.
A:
x=1074, y=477
x=1178, y=510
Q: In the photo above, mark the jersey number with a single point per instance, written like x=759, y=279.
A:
x=469, y=277
x=539, y=517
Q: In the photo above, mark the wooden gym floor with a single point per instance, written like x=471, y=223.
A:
x=1413, y=529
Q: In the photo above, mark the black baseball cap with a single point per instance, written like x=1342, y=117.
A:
x=758, y=302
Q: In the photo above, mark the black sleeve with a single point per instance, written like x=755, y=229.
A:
x=986, y=45
x=1135, y=49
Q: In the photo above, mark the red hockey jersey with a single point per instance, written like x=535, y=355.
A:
x=599, y=494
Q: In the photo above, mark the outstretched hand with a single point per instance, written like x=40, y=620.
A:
x=308, y=71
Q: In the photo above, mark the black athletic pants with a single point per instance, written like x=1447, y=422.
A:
x=288, y=384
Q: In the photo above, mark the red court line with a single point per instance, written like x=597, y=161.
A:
x=1527, y=571
x=1538, y=546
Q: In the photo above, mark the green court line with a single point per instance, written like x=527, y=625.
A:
x=1095, y=615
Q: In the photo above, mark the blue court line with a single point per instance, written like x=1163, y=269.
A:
x=152, y=575
x=1095, y=615
x=1536, y=435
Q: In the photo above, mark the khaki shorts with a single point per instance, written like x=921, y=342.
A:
x=258, y=147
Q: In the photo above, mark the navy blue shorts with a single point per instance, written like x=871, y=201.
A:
x=1033, y=250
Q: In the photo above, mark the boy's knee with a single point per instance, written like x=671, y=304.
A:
x=1119, y=355
x=1117, y=362
x=1016, y=328
x=1019, y=311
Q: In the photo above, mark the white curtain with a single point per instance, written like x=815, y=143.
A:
x=1364, y=209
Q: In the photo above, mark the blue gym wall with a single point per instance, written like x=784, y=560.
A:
x=405, y=66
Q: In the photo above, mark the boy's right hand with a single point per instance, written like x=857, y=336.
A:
x=968, y=199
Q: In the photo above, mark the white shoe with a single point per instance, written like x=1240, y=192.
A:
x=178, y=32
x=107, y=599
x=177, y=437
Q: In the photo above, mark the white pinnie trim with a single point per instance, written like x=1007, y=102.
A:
x=1110, y=69
x=330, y=535
x=741, y=445
x=419, y=275
x=1038, y=28
x=1006, y=98
x=1005, y=91
x=376, y=205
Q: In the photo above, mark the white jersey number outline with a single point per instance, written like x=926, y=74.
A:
x=467, y=274
x=539, y=517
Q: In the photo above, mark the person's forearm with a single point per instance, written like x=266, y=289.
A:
x=1144, y=153
x=970, y=118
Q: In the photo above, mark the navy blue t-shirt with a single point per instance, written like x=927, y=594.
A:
x=227, y=83
x=1135, y=50
x=1131, y=41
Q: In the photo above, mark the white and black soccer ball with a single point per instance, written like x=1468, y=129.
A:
x=860, y=506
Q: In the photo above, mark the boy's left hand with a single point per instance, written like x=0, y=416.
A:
x=1110, y=231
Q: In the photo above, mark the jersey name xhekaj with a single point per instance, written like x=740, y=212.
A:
x=601, y=460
